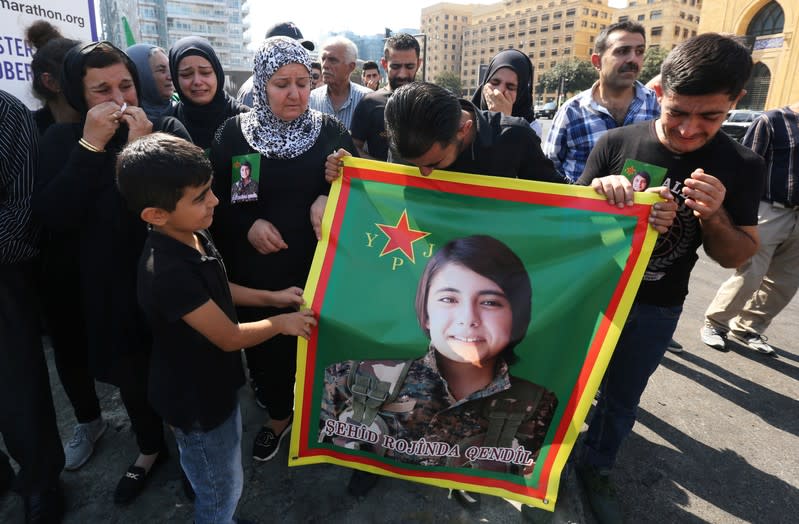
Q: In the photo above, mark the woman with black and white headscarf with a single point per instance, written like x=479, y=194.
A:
x=266, y=238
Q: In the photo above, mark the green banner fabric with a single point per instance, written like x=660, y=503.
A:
x=464, y=325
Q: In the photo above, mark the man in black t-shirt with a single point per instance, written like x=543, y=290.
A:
x=717, y=183
x=401, y=61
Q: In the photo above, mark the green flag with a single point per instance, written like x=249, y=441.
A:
x=129, y=38
x=464, y=325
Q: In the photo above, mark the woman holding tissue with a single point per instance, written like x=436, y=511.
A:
x=76, y=192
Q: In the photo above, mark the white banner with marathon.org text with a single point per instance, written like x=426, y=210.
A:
x=76, y=19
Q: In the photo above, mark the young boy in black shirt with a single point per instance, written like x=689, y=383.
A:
x=195, y=369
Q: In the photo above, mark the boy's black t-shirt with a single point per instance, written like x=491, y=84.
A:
x=740, y=170
x=193, y=384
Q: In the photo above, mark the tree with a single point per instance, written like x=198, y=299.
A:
x=653, y=58
x=577, y=75
x=451, y=81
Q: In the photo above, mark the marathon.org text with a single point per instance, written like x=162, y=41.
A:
x=37, y=10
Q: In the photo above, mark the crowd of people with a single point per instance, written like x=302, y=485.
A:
x=122, y=196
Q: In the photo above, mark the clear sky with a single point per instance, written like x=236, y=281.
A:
x=366, y=17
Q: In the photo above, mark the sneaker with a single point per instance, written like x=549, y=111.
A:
x=714, y=337
x=80, y=448
x=674, y=346
x=601, y=495
x=754, y=341
x=361, y=483
x=267, y=443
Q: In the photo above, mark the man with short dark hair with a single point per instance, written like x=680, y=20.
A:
x=748, y=301
x=370, y=75
x=287, y=29
x=717, y=183
x=339, y=96
x=616, y=99
x=401, y=62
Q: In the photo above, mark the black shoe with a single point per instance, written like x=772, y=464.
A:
x=135, y=480
x=267, y=444
x=361, y=483
x=6, y=476
x=45, y=507
x=188, y=490
x=467, y=499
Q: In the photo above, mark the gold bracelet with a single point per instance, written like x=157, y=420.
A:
x=94, y=149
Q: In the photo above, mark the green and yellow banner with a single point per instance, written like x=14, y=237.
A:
x=465, y=323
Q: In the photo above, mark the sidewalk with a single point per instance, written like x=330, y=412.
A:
x=716, y=441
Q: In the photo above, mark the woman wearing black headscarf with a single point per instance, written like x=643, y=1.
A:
x=199, y=81
x=508, y=87
x=266, y=237
x=76, y=192
x=156, y=82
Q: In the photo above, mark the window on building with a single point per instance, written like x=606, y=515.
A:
x=656, y=31
x=567, y=50
x=559, y=14
x=676, y=30
x=624, y=18
x=555, y=40
x=594, y=13
x=685, y=33
x=542, y=54
x=768, y=21
x=556, y=27
x=544, y=18
x=583, y=24
x=569, y=24
x=446, y=26
x=554, y=51
x=568, y=38
x=641, y=18
x=446, y=17
x=553, y=63
x=656, y=14
x=690, y=18
x=593, y=25
x=541, y=65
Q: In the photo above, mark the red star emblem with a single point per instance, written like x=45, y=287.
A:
x=631, y=170
x=401, y=237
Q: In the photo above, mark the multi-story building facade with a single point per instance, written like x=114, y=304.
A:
x=667, y=22
x=162, y=23
x=463, y=38
x=768, y=28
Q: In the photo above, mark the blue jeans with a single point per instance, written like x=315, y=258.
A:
x=212, y=463
x=641, y=346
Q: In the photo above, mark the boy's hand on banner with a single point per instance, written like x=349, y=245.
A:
x=317, y=212
x=297, y=324
x=265, y=237
x=333, y=164
x=289, y=297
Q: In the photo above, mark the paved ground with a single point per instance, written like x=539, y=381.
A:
x=716, y=441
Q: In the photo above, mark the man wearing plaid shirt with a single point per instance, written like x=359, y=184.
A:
x=615, y=100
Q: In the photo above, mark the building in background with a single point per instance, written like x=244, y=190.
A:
x=768, y=28
x=463, y=38
x=163, y=22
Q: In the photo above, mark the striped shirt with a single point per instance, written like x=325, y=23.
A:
x=19, y=155
x=580, y=122
x=320, y=101
x=774, y=135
